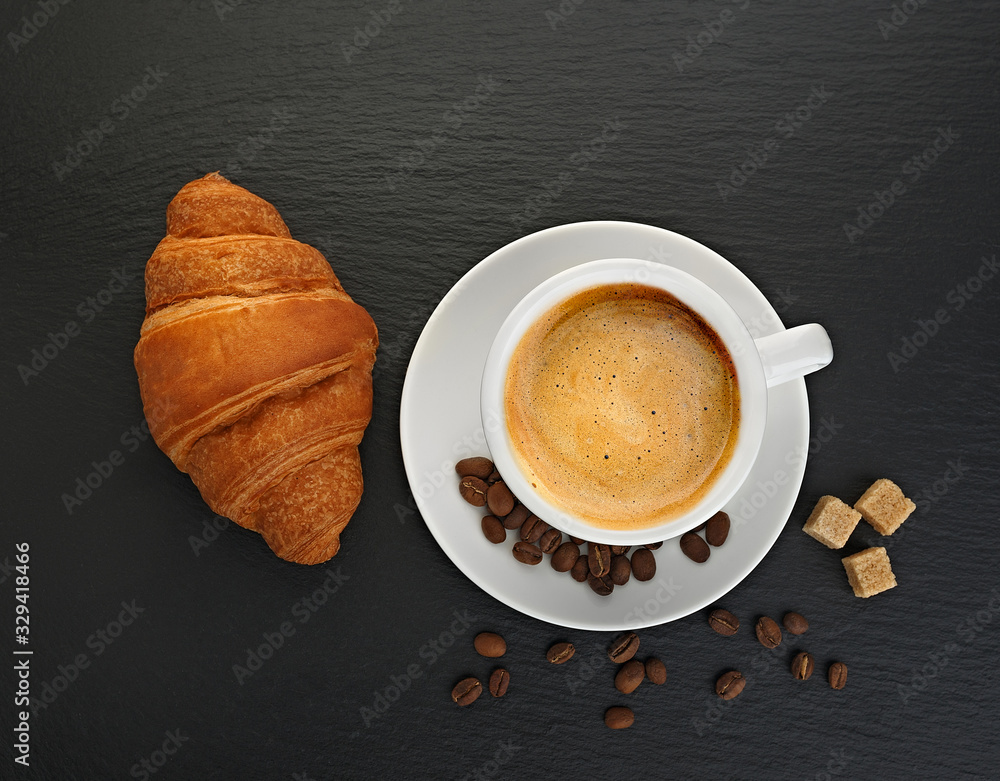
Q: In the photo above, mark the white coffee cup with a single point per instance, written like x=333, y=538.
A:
x=759, y=363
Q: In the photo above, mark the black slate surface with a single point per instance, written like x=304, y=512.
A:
x=378, y=149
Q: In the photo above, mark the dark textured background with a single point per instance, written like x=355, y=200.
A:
x=265, y=92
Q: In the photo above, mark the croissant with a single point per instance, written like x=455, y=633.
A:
x=255, y=369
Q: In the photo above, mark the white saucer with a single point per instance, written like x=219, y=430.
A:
x=440, y=423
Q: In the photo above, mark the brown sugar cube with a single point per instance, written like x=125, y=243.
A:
x=869, y=572
x=831, y=522
x=884, y=506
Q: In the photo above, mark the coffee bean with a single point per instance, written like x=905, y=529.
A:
x=499, y=498
x=526, y=553
x=723, y=622
x=533, y=528
x=602, y=586
x=629, y=676
x=499, y=681
x=493, y=478
x=717, y=529
x=837, y=675
x=516, y=517
x=700, y=526
x=656, y=671
x=477, y=466
x=493, y=529
x=768, y=632
x=795, y=623
x=550, y=541
x=620, y=550
x=467, y=691
x=643, y=564
x=802, y=666
x=490, y=645
x=577, y=540
x=621, y=570
x=623, y=648
x=653, y=545
x=580, y=570
x=473, y=490
x=600, y=559
x=619, y=717
x=730, y=684
x=565, y=557
x=560, y=653
x=695, y=548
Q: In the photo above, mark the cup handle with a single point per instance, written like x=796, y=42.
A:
x=794, y=352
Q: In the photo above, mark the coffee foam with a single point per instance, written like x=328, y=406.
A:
x=622, y=406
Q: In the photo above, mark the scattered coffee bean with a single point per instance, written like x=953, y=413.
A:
x=643, y=564
x=477, y=466
x=623, y=648
x=473, y=490
x=723, y=622
x=577, y=540
x=493, y=529
x=695, y=548
x=599, y=559
x=602, y=586
x=490, y=645
x=533, y=528
x=730, y=684
x=526, y=553
x=656, y=671
x=837, y=675
x=700, y=526
x=516, y=517
x=621, y=570
x=620, y=550
x=560, y=653
x=629, y=676
x=580, y=570
x=802, y=666
x=499, y=498
x=550, y=541
x=653, y=545
x=795, y=623
x=467, y=691
x=494, y=477
x=499, y=681
x=565, y=557
x=619, y=717
x=717, y=529
x=768, y=632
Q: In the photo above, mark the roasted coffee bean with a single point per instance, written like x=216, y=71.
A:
x=493, y=478
x=620, y=550
x=837, y=675
x=577, y=540
x=700, y=526
x=599, y=559
x=477, y=466
x=656, y=671
x=723, y=622
x=467, y=691
x=493, y=529
x=602, y=586
x=768, y=632
x=550, y=541
x=580, y=570
x=623, y=648
x=565, y=557
x=795, y=624
x=717, y=529
x=526, y=553
x=730, y=684
x=621, y=570
x=695, y=548
x=499, y=498
x=643, y=564
x=516, y=517
x=619, y=717
x=629, y=676
x=490, y=645
x=499, y=681
x=802, y=666
x=473, y=490
x=653, y=545
x=560, y=653
x=533, y=528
